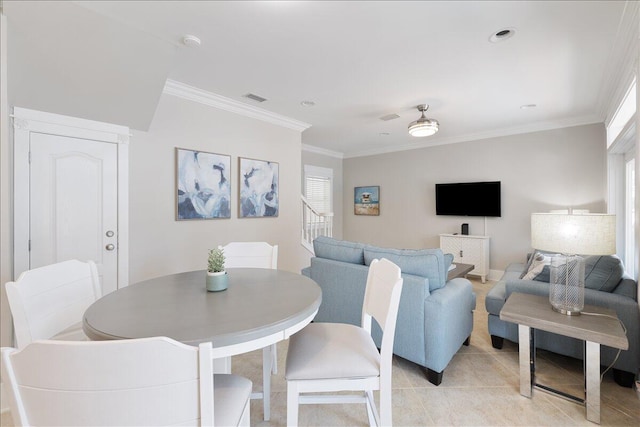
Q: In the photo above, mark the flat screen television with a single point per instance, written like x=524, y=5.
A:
x=468, y=199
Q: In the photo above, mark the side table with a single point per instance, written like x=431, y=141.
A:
x=532, y=312
x=460, y=270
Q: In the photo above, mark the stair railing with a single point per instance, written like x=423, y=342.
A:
x=314, y=224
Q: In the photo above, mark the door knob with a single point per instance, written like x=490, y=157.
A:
x=110, y=247
x=109, y=233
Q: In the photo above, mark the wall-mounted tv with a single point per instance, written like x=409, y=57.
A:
x=468, y=199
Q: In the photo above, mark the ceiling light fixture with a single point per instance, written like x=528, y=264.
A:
x=423, y=126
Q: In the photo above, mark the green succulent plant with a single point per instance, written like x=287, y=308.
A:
x=216, y=260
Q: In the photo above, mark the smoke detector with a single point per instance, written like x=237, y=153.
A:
x=191, y=41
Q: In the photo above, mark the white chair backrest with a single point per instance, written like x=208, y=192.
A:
x=382, y=300
x=251, y=255
x=47, y=300
x=147, y=381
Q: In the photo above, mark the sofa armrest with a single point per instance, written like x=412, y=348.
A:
x=306, y=271
x=448, y=321
x=532, y=287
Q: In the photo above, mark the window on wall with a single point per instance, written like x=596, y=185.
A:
x=318, y=183
x=623, y=115
x=621, y=150
x=630, y=217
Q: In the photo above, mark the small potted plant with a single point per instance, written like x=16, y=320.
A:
x=217, y=279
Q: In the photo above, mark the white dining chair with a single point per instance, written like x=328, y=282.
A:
x=147, y=381
x=49, y=302
x=250, y=255
x=257, y=255
x=335, y=357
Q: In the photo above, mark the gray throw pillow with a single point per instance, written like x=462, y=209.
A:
x=602, y=273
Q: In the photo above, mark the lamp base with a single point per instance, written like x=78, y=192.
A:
x=565, y=311
x=566, y=287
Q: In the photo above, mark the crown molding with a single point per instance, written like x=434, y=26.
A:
x=323, y=151
x=622, y=64
x=433, y=142
x=25, y=119
x=195, y=94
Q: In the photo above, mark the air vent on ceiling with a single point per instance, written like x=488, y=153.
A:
x=389, y=117
x=255, y=97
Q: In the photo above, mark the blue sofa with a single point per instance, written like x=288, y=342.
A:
x=435, y=317
x=606, y=285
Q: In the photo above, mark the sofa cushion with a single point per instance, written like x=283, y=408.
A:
x=602, y=273
x=427, y=263
x=339, y=250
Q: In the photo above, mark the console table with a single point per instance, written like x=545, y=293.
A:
x=532, y=312
x=468, y=250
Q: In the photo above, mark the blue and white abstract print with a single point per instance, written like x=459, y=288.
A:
x=258, y=188
x=204, y=188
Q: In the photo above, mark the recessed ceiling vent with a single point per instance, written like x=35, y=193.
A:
x=389, y=117
x=255, y=97
x=502, y=35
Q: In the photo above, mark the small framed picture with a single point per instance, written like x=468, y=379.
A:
x=258, y=187
x=203, y=186
x=366, y=200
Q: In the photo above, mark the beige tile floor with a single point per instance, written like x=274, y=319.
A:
x=479, y=388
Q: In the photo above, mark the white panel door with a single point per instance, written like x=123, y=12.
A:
x=73, y=200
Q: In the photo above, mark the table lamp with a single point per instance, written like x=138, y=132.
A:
x=569, y=235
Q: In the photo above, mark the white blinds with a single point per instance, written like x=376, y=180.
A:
x=318, y=193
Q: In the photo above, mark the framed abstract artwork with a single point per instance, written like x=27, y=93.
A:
x=367, y=200
x=258, y=188
x=203, y=186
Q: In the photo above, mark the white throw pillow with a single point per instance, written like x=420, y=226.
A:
x=537, y=264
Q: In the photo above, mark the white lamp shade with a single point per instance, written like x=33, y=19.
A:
x=584, y=234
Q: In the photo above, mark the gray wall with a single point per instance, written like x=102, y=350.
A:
x=539, y=171
x=158, y=243
x=334, y=163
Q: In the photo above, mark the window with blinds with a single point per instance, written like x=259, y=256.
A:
x=318, y=188
x=318, y=193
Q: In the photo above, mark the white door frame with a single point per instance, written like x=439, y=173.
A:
x=26, y=121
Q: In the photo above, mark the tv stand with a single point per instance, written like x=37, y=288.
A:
x=468, y=250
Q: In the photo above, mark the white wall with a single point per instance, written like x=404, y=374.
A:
x=539, y=171
x=158, y=243
x=6, y=169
